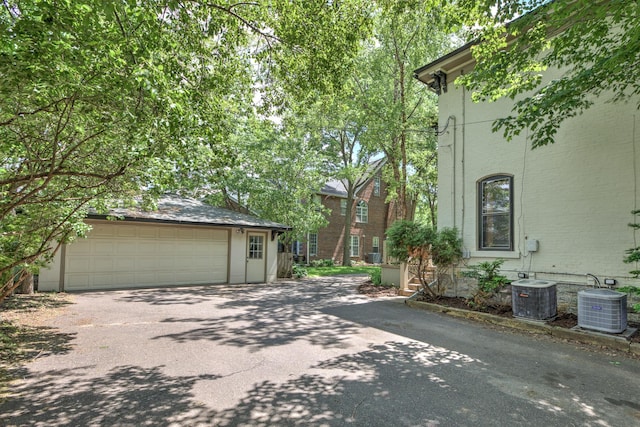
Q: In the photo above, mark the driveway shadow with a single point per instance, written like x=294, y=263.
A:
x=190, y=295
x=379, y=386
x=358, y=388
x=399, y=380
x=264, y=316
x=126, y=396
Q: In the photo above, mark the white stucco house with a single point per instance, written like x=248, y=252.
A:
x=184, y=242
x=559, y=212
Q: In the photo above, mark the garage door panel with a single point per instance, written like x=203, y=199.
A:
x=122, y=280
x=102, y=278
x=77, y=281
x=79, y=265
x=145, y=277
x=145, y=263
x=123, y=264
x=166, y=246
x=219, y=251
x=167, y=263
x=146, y=247
x=137, y=255
x=200, y=262
x=103, y=264
x=181, y=250
x=104, y=247
x=127, y=247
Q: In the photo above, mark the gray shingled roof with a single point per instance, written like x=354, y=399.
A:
x=178, y=210
x=336, y=187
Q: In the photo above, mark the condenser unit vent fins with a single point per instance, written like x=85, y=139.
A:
x=534, y=299
x=602, y=310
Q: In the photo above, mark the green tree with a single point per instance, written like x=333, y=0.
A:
x=340, y=126
x=419, y=244
x=102, y=100
x=423, y=183
x=594, y=43
x=401, y=112
x=277, y=172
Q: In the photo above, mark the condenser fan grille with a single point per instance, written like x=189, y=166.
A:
x=602, y=310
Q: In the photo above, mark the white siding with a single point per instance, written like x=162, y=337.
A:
x=574, y=196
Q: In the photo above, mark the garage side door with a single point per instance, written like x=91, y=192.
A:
x=138, y=255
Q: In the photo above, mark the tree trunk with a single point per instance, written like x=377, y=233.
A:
x=26, y=284
x=346, y=243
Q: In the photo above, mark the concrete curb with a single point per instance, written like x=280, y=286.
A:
x=585, y=337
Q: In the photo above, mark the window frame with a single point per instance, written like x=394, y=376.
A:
x=376, y=185
x=343, y=207
x=256, y=247
x=354, y=239
x=484, y=215
x=313, y=244
x=362, y=212
x=375, y=244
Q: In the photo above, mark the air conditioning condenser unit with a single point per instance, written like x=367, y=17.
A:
x=534, y=299
x=602, y=310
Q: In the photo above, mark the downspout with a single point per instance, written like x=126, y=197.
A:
x=453, y=172
x=462, y=130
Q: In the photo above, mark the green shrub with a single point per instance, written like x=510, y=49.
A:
x=299, y=271
x=633, y=254
x=418, y=244
x=376, y=276
x=322, y=263
x=488, y=279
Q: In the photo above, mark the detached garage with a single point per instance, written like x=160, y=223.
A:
x=184, y=242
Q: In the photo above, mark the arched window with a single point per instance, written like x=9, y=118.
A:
x=495, y=213
x=362, y=211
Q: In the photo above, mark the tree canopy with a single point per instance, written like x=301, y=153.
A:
x=277, y=171
x=102, y=101
x=340, y=124
x=593, y=43
x=399, y=112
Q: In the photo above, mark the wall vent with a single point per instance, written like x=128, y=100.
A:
x=602, y=310
x=534, y=299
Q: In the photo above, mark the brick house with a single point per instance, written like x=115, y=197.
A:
x=371, y=216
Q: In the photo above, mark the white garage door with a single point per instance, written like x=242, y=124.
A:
x=137, y=255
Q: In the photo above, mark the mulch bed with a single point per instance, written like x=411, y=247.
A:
x=375, y=291
x=562, y=320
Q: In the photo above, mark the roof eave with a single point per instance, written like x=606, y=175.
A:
x=107, y=217
x=448, y=64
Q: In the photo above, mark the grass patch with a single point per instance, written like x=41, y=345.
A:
x=338, y=270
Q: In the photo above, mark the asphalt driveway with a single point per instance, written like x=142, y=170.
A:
x=307, y=353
